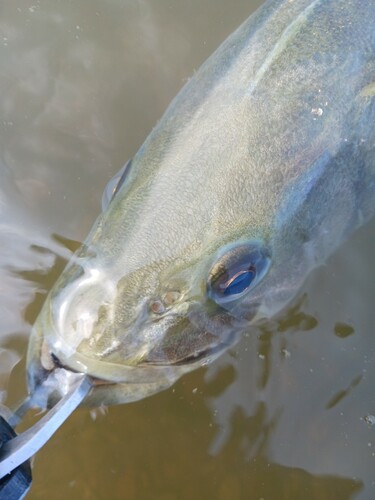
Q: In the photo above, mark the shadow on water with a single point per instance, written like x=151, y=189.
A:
x=286, y=413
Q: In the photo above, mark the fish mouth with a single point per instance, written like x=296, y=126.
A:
x=53, y=362
x=49, y=379
x=149, y=359
x=111, y=383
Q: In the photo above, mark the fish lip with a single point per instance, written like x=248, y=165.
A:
x=40, y=373
x=58, y=364
x=143, y=372
x=110, y=373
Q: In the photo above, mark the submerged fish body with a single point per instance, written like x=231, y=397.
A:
x=261, y=166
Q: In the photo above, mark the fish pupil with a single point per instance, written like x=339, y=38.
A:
x=239, y=282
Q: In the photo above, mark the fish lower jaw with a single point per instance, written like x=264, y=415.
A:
x=49, y=363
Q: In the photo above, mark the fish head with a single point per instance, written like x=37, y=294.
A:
x=135, y=309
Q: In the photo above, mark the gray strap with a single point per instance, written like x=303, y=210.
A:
x=19, y=449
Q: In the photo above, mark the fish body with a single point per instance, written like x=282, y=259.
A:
x=260, y=167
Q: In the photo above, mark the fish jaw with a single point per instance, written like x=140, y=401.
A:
x=114, y=383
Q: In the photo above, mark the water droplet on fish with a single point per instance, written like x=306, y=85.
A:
x=369, y=419
x=317, y=111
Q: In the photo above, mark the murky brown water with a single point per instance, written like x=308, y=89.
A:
x=280, y=416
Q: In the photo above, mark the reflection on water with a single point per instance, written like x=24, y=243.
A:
x=310, y=376
x=285, y=413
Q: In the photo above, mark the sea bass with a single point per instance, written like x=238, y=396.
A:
x=260, y=167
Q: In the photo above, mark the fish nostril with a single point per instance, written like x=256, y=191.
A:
x=157, y=307
x=171, y=297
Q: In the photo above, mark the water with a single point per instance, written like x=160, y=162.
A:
x=288, y=412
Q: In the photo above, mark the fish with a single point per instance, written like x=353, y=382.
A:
x=261, y=166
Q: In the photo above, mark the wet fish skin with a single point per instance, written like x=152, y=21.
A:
x=271, y=144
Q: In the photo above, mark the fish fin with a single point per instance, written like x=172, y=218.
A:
x=114, y=185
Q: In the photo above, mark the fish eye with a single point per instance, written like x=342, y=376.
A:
x=237, y=271
x=114, y=185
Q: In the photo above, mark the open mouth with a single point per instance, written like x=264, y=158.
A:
x=50, y=362
x=131, y=372
x=50, y=378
